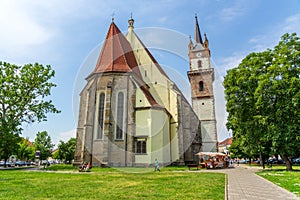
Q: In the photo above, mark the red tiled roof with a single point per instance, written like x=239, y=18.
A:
x=227, y=141
x=116, y=54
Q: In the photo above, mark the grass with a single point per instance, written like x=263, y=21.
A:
x=110, y=183
x=288, y=180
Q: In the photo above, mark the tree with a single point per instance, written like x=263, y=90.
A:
x=243, y=119
x=263, y=100
x=278, y=95
x=22, y=90
x=66, y=150
x=43, y=144
x=26, y=150
x=10, y=146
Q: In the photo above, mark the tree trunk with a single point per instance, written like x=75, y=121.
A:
x=261, y=160
x=5, y=160
x=289, y=164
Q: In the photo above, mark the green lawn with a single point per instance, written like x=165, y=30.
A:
x=108, y=183
x=282, y=178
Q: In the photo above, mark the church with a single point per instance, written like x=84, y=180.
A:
x=132, y=113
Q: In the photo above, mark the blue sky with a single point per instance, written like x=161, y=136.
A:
x=63, y=33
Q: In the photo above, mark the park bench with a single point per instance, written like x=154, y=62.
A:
x=193, y=166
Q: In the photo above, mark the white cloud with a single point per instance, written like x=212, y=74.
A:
x=292, y=24
x=233, y=11
x=64, y=136
x=230, y=62
x=30, y=30
x=19, y=29
x=261, y=42
x=271, y=38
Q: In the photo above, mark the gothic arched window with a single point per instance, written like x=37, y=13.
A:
x=201, y=86
x=120, y=112
x=100, y=116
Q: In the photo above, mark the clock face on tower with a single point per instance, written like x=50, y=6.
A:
x=199, y=55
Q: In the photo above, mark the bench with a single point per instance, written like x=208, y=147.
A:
x=193, y=166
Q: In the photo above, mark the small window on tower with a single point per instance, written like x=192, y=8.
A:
x=199, y=63
x=201, y=87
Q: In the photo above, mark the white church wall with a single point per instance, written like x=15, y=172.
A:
x=208, y=130
x=160, y=136
x=204, y=108
x=204, y=64
x=174, y=142
x=143, y=121
x=141, y=100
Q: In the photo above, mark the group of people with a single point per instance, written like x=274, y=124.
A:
x=85, y=167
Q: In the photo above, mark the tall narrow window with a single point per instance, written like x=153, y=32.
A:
x=120, y=112
x=201, y=87
x=100, y=116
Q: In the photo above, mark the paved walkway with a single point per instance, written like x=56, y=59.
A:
x=244, y=184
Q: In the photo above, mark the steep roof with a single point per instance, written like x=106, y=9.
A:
x=227, y=141
x=116, y=54
x=197, y=35
x=144, y=48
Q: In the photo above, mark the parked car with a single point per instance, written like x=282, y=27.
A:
x=296, y=160
x=10, y=164
x=20, y=163
x=1, y=163
x=275, y=161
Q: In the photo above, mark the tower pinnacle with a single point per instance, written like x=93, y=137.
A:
x=130, y=22
x=205, y=41
x=197, y=36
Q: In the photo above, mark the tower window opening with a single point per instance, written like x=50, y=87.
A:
x=201, y=86
x=199, y=63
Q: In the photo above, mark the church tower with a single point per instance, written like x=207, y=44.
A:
x=201, y=77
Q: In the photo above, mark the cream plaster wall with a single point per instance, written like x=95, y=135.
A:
x=205, y=63
x=141, y=100
x=160, y=85
x=204, y=108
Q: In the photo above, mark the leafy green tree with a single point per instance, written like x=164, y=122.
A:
x=66, y=150
x=243, y=119
x=10, y=147
x=43, y=144
x=278, y=95
x=22, y=90
x=263, y=101
x=26, y=150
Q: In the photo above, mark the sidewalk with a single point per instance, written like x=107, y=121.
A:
x=244, y=184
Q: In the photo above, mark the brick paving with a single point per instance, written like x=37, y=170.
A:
x=244, y=184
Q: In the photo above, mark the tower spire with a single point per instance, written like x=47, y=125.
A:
x=130, y=22
x=197, y=36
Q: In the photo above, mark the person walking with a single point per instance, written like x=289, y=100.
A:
x=156, y=165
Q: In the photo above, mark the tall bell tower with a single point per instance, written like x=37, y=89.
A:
x=201, y=77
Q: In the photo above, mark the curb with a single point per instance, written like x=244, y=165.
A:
x=226, y=187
